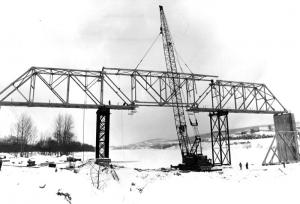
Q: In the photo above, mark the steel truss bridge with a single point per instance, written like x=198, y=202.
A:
x=127, y=89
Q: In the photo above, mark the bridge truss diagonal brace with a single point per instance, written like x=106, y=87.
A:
x=220, y=138
x=102, y=132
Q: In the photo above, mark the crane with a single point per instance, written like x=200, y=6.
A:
x=192, y=157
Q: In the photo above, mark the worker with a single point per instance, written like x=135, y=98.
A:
x=0, y=163
x=246, y=165
x=241, y=166
x=109, y=102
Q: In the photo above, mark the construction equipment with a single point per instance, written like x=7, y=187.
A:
x=192, y=157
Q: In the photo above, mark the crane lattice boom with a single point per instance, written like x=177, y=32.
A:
x=174, y=83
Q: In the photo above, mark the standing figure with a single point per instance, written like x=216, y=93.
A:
x=241, y=166
x=0, y=163
x=246, y=165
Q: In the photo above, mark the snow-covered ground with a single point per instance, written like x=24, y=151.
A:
x=259, y=184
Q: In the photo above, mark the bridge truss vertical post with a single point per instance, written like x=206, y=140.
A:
x=220, y=138
x=102, y=132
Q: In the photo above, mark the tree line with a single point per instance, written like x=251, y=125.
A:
x=24, y=138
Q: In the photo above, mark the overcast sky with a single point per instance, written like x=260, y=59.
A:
x=256, y=40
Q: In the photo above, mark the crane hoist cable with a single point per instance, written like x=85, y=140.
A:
x=83, y=130
x=83, y=122
x=178, y=57
x=194, y=123
x=148, y=50
x=122, y=135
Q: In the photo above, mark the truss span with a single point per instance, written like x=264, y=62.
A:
x=119, y=88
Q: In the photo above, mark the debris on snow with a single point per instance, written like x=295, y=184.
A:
x=66, y=195
x=30, y=163
x=281, y=171
x=43, y=186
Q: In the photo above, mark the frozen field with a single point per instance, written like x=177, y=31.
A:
x=259, y=184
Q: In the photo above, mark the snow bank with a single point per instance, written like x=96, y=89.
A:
x=259, y=184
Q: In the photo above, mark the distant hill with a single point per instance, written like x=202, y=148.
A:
x=260, y=131
x=150, y=144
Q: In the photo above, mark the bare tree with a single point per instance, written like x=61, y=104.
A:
x=63, y=132
x=25, y=131
x=68, y=127
x=58, y=132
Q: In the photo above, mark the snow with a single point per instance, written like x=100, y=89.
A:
x=265, y=132
x=258, y=184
